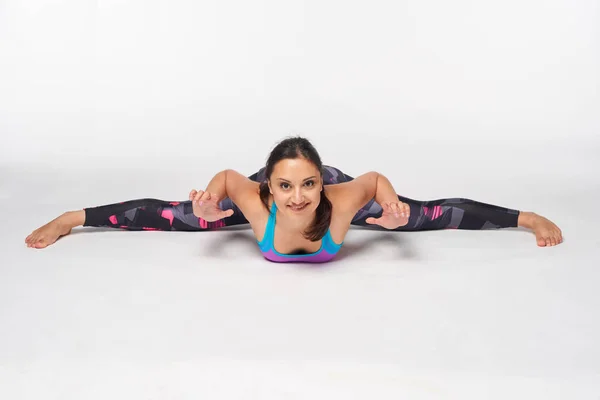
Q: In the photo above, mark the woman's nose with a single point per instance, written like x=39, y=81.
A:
x=297, y=197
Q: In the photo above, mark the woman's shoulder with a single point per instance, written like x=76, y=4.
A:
x=245, y=193
x=259, y=215
x=341, y=214
x=349, y=197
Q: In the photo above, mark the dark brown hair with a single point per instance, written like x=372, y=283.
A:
x=292, y=148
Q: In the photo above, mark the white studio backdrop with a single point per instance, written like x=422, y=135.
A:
x=106, y=101
x=130, y=82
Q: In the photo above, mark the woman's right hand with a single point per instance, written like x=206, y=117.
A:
x=206, y=206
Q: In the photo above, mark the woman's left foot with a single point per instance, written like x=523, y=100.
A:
x=546, y=231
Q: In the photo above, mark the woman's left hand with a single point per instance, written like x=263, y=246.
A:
x=395, y=214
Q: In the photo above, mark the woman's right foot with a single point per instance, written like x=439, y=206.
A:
x=49, y=233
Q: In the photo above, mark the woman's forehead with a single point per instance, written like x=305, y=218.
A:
x=296, y=167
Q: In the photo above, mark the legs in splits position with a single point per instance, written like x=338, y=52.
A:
x=153, y=214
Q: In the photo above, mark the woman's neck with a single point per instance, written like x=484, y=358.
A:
x=293, y=225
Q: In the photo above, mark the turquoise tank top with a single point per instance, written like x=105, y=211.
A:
x=326, y=253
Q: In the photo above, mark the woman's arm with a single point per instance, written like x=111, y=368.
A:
x=353, y=195
x=241, y=190
x=349, y=197
x=245, y=194
x=218, y=185
x=385, y=192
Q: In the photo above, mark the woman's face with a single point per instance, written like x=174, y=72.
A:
x=296, y=187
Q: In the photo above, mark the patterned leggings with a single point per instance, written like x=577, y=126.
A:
x=152, y=214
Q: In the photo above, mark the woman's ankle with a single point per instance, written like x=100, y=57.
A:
x=74, y=218
x=526, y=219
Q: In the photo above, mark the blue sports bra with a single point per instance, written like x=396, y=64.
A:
x=326, y=253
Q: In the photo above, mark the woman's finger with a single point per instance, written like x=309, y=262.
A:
x=391, y=210
x=205, y=196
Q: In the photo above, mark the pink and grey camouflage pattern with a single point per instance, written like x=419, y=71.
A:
x=154, y=214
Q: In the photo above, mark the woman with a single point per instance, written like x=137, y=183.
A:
x=299, y=209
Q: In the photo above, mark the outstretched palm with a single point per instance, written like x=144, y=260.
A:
x=206, y=206
x=395, y=214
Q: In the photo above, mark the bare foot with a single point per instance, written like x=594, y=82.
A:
x=49, y=233
x=546, y=232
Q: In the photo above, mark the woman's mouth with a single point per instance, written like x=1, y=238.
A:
x=294, y=208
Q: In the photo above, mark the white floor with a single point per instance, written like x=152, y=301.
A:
x=110, y=314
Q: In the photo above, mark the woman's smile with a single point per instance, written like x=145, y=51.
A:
x=300, y=208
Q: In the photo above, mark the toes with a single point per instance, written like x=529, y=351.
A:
x=35, y=241
x=541, y=242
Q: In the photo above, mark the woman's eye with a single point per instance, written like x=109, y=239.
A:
x=284, y=185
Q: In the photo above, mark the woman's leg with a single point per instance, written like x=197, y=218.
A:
x=153, y=214
x=455, y=213
x=136, y=215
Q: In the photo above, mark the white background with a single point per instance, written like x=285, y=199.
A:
x=108, y=101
